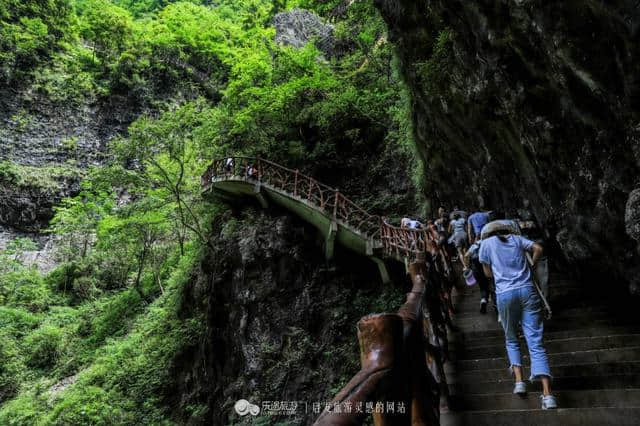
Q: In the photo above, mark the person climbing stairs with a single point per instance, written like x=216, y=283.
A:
x=594, y=352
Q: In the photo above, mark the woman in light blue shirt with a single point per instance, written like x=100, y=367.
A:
x=503, y=258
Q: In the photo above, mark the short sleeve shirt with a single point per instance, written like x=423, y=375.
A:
x=458, y=225
x=478, y=220
x=414, y=224
x=507, y=261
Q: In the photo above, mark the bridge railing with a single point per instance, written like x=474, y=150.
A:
x=334, y=203
x=396, y=241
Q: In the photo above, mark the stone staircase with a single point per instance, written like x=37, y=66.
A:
x=594, y=351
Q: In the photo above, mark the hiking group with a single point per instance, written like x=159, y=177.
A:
x=504, y=264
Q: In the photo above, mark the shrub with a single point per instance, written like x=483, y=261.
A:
x=25, y=288
x=26, y=409
x=17, y=321
x=61, y=278
x=84, y=288
x=115, y=314
x=11, y=367
x=44, y=346
x=89, y=405
x=8, y=173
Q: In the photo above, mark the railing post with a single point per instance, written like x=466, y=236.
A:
x=259, y=169
x=335, y=205
x=295, y=184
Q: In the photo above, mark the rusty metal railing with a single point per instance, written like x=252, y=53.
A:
x=396, y=241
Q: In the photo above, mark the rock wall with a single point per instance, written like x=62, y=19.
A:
x=280, y=320
x=37, y=131
x=298, y=27
x=49, y=144
x=529, y=103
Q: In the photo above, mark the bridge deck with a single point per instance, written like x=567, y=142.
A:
x=345, y=234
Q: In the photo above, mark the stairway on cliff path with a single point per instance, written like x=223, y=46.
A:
x=594, y=352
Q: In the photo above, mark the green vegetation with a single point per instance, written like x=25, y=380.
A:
x=30, y=31
x=433, y=72
x=46, y=178
x=93, y=342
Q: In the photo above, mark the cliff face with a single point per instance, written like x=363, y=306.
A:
x=529, y=103
x=45, y=149
x=46, y=146
x=280, y=320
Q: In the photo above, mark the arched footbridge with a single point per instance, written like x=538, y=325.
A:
x=337, y=217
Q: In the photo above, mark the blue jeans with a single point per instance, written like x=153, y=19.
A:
x=523, y=306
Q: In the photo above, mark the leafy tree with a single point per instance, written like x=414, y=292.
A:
x=30, y=31
x=136, y=235
x=12, y=257
x=169, y=162
x=107, y=27
x=77, y=218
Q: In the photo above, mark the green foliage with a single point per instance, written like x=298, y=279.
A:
x=107, y=27
x=44, y=346
x=76, y=218
x=89, y=405
x=113, y=316
x=435, y=72
x=212, y=81
x=26, y=409
x=24, y=288
x=8, y=173
x=30, y=31
x=45, y=178
x=17, y=321
x=68, y=76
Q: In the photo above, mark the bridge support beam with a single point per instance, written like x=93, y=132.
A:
x=382, y=268
x=330, y=240
x=257, y=189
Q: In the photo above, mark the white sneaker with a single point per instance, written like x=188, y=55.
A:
x=520, y=388
x=548, y=402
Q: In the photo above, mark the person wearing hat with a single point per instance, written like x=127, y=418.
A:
x=502, y=256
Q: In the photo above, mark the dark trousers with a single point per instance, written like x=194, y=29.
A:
x=483, y=281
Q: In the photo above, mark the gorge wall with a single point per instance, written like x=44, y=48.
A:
x=280, y=320
x=527, y=102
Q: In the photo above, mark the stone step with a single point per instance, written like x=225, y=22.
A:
x=567, y=298
x=555, y=346
x=582, y=382
x=490, y=319
x=537, y=417
x=582, y=357
x=629, y=368
x=495, y=330
x=568, y=312
x=473, y=307
x=614, y=398
x=462, y=341
x=553, y=283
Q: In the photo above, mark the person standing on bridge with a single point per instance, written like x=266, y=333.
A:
x=503, y=258
x=228, y=164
